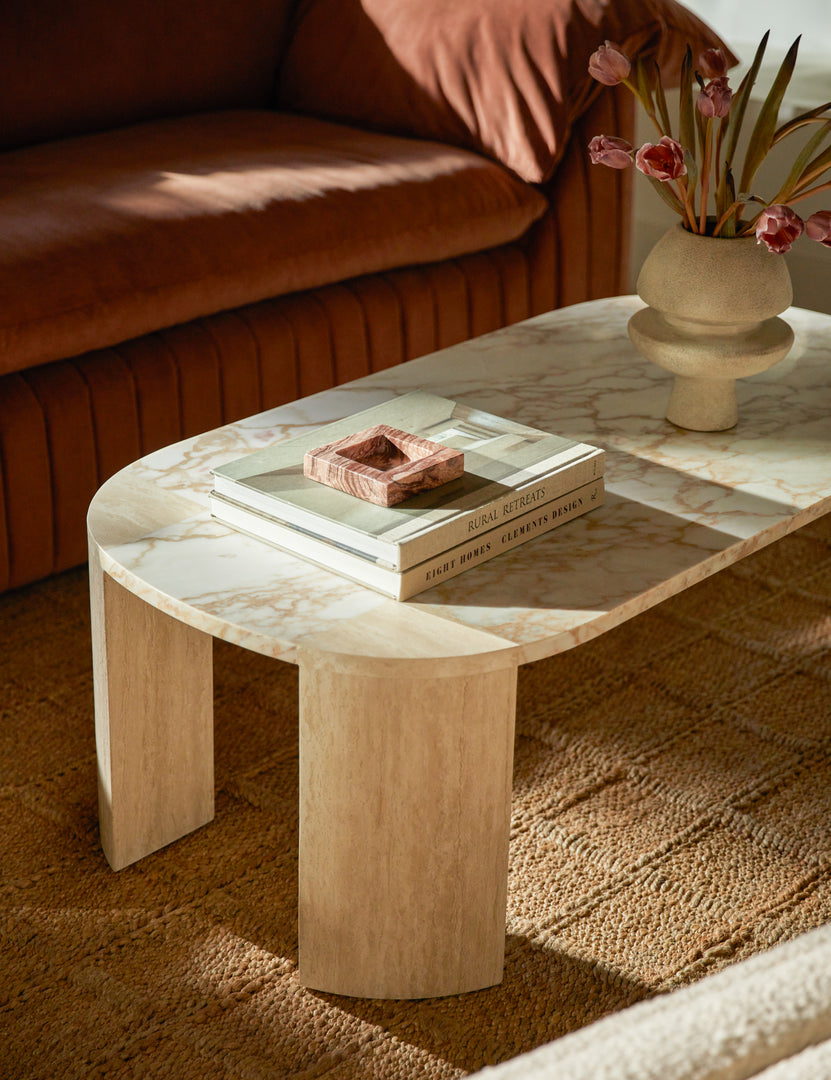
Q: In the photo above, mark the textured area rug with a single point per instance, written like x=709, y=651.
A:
x=671, y=816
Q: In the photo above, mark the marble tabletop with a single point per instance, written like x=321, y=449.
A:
x=680, y=505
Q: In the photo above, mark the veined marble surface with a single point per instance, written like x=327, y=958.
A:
x=679, y=505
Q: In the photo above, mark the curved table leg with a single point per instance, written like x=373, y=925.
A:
x=405, y=792
x=153, y=680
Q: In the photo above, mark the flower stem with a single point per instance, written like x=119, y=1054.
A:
x=722, y=127
x=811, y=191
x=722, y=221
x=705, y=176
x=689, y=208
x=645, y=101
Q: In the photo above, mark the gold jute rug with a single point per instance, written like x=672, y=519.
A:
x=671, y=816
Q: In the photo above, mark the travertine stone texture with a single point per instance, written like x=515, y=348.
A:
x=680, y=504
x=407, y=709
x=154, y=723
x=404, y=779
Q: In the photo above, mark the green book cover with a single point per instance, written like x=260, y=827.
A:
x=509, y=467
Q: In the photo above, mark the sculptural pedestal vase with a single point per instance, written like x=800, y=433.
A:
x=711, y=320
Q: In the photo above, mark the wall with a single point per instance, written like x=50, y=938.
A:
x=742, y=26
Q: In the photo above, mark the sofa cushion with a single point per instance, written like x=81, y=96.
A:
x=113, y=235
x=69, y=68
x=504, y=77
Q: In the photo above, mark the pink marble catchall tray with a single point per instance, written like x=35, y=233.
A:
x=383, y=465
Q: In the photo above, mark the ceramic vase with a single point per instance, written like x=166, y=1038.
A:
x=711, y=319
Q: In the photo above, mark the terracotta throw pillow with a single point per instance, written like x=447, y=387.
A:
x=504, y=77
x=73, y=68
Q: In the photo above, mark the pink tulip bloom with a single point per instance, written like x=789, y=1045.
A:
x=609, y=65
x=663, y=160
x=714, y=100
x=777, y=228
x=818, y=227
x=712, y=63
x=611, y=151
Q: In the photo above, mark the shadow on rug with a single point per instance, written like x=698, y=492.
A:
x=672, y=796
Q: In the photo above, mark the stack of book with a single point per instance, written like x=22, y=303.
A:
x=518, y=483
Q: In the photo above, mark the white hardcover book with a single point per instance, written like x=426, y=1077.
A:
x=402, y=584
x=509, y=469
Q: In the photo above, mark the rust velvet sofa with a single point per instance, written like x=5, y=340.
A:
x=209, y=208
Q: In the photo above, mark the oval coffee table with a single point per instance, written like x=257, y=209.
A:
x=407, y=709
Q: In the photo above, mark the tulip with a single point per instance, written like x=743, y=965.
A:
x=712, y=63
x=777, y=228
x=818, y=227
x=612, y=151
x=609, y=65
x=663, y=160
x=714, y=100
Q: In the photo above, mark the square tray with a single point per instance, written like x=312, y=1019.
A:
x=383, y=465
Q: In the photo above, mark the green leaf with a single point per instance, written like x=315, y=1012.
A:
x=815, y=168
x=686, y=118
x=726, y=199
x=644, y=89
x=718, y=154
x=640, y=78
x=667, y=194
x=809, y=192
x=661, y=98
x=761, y=138
x=701, y=125
x=813, y=116
x=803, y=163
x=740, y=99
x=723, y=196
x=692, y=169
x=726, y=223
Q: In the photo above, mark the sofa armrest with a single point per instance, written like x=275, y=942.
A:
x=506, y=78
x=755, y=1018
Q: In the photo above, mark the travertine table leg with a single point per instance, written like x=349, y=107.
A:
x=153, y=681
x=405, y=791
